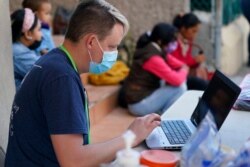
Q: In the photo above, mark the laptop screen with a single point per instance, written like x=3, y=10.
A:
x=219, y=98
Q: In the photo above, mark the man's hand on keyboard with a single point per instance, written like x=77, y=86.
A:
x=143, y=126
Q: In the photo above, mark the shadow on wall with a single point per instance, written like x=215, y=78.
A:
x=7, y=88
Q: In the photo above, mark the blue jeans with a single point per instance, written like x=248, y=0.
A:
x=159, y=101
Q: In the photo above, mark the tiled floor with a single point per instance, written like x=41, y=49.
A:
x=113, y=125
x=98, y=93
x=102, y=101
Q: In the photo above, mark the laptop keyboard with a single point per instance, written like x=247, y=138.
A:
x=176, y=131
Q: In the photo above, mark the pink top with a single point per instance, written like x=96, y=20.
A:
x=168, y=70
x=185, y=55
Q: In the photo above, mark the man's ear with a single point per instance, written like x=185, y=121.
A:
x=28, y=35
x=90, y=40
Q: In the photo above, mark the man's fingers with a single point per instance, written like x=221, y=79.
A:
x=153, y=117
x=156, y=123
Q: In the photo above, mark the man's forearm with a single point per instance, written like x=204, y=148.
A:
x=70, y=151
x=102, y=152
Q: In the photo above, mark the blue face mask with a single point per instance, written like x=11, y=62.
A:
x=108, y=59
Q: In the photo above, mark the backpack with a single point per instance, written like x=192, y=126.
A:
x=114, y=76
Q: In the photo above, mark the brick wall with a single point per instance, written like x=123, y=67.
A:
x=142, y=14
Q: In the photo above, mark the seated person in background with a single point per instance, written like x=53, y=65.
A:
x=42, y=8
x=188, y=26
x=156, y=78
x=26, y=37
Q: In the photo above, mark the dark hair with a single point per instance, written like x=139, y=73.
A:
x=34, y=5
x=94, y=16
x=143, y=40
x=17, y=24
x=188, y=20
x=163, y=32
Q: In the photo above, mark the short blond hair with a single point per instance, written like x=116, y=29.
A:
x=94, y=16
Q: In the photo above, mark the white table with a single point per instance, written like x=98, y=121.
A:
x=234, y=131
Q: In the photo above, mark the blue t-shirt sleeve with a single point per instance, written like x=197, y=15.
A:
x=63, y=107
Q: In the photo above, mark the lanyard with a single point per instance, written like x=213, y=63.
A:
x=87, y=113
x=69, y=56
x=85, y=93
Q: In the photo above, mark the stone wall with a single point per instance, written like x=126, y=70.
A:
x=142, y=14
x=16, y=4
x=7, y=88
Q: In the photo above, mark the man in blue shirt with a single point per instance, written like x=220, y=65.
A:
x=49, y=122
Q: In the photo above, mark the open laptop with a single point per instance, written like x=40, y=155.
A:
x=219, y=98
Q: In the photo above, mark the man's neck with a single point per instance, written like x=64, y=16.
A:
x=78, y=56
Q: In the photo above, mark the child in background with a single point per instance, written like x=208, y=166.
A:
x=188, y=26
x=42, y=8
x=26, y=37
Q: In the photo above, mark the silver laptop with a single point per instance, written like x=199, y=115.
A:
x=218, y=98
